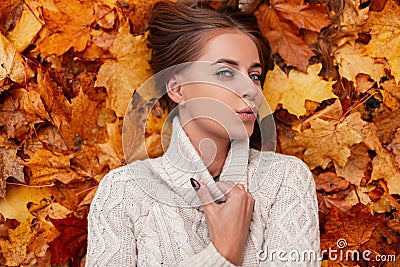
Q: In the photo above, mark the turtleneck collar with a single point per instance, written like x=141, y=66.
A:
x=182, y=162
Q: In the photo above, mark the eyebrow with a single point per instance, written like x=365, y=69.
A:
x=235, y=63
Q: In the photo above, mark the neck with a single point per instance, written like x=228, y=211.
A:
x=213, y=150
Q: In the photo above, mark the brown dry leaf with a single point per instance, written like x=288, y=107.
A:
x=139, y=13
x=351, y=62
x=112, y=152
x=363, y=83
x=387, y=122
x=54, y=101
x=30, y=104
x=392, y=88
x=394, y=147
x=50, y=136
x=67, y=26
x=389, y=101
x=330, y=182
x=45, y=167
x=82, y=120
x=385, y=31
x=14, y=250
x=356, y=228
x=292, y=91
x=10, y=12
x=358, y=195
x=10, y=165
x=284, y=39
x=121, y=77
x=105, y=16
x=27, y=26
x=280, y=23
x=332, y=113
x=326, y=141
x=356, y=165
x=57, y=211
x=384, y=167
x=352, y=17
x=336, y=201
x=11, y=63
x=71, y=194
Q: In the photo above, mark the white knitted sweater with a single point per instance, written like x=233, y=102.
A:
x=147, y=213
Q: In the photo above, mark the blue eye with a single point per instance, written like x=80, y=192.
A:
x=225, y=74
x=255, y=77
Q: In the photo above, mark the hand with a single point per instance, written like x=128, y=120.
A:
x=229, y=222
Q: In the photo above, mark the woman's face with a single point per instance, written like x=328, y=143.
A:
x=221, y=92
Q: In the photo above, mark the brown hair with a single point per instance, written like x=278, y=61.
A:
x=179, y=32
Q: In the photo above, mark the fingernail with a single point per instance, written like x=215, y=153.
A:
x=195, y=184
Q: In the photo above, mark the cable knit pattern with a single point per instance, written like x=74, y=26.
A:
x=147, y=214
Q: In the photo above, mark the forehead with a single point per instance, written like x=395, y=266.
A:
x=233, y=45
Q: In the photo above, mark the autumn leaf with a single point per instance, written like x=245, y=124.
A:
x=352, y=62
x=327, y=141
x=70, y=243
x=352, y=18
x=139, y=13
x=46, y=167
x=355, y=228
x=10, y=12
x=68, y=26
x=394, y=146
x=385, y=32
x=27, y=26
x=292, y=91
x=10, y=166
x=82, y=120
x=280, y=23
x=330, y=182
x=11, y=63
x=122, y=76
x=112, y=152
x=356, y=165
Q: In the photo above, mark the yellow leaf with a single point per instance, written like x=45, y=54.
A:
x=293, y=91
x=121, y=77
x=383, y=165
x=351, y=61
x=28, y=25
x=14, y=205
x=385, y=32
x=326, y=141
x=11, y=63
x=15, y=250
x=46, y=167
x=67, y=27
x=112, y=152
x=356, y=165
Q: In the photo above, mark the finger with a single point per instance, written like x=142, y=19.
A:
x=225, y=187
x=202, y=192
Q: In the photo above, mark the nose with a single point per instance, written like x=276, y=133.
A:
x=247, y=89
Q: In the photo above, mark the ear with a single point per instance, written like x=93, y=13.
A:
x=174, y=89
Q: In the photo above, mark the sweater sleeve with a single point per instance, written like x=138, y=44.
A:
x=292, y=230
x=111, y=240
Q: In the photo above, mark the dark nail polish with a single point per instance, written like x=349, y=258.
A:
x=195, y=184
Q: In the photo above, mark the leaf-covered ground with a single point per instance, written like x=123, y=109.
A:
x=67, y=73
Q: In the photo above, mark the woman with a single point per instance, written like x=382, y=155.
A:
x=210, y=200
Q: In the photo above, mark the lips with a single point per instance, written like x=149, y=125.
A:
x=247, y=114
